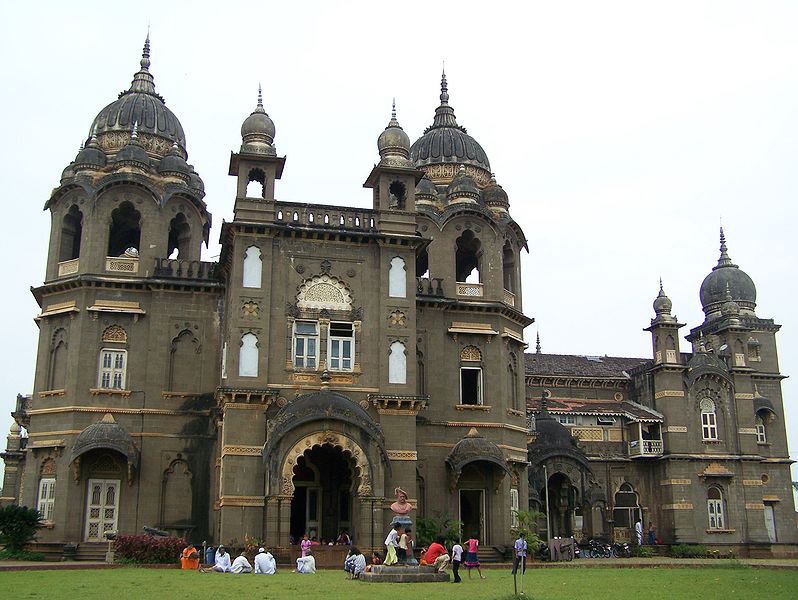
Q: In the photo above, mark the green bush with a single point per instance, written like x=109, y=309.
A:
x=6, y=554
x=18, y=526
x=643, y=551
x=688, y=551
x=148, y=549
x=428, y=528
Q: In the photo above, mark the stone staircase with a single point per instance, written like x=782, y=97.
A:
x=404, y=574
x=92, y=551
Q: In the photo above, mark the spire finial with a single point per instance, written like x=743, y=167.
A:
x=143, y=80
x=393, y=110
x=259, y=107
x=537, y=344
x=444, y=88
x=145, y=53
x=134, y=134
x=661, y=291
x=724, y=260
x=544, y=402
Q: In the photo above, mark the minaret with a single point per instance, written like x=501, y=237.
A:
x=394, y=180
x=664, y=330
x=256, y=161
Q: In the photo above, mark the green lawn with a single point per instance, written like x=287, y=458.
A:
x=540, y=584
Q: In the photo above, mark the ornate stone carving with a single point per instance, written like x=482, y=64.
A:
x=250, y=309
x=324, y=291
x=470, y=354
x=326, y=267
x=300, y=268
x=397, y=319
x=116, y=334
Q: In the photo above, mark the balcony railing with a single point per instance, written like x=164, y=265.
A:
x=429, y=287
x=645, y=448
x=333, y=217
x=184, y=269
x=470, y=290
x=122, y=264
x=68, y=267
x=509, y=298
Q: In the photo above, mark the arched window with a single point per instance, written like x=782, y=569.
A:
x=46, y=498
x=471, y=376
x=422, y=264
x=176, y=496
x=397, y=364
x=397, y=195
x=112, y=373
x=58, y=360
x=179, y=237
x=397, y=278
x=467, y=258
x=125, y=229
x=670, y=350
x=421, y=384
x=256, y=185
x=252, y=268
x=183, y=363
x=512, y=383
x=71, y=231
x=508, y=267
x=627, y=507
x=248, y=356
x=761, y=429
x=709, y=423
x=715, y=508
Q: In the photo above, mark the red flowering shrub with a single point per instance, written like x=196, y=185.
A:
x=148, y=549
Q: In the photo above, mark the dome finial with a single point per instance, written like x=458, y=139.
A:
x=393, y=122
x=537, y=344
x=444, y=88
x=134, y=133
x=259, y=107
x=724, y=260
x=143, y=80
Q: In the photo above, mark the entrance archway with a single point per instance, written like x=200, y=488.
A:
x=563, y=499
x=322, y=503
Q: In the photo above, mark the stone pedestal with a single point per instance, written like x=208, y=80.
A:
x=404, y=574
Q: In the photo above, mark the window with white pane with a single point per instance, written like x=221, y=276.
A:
x=46, y=503
x=709, y=422
x=306, y=344
x=761, y=430
x=248, y=356
x=113, y=369
x=715, y=509
x=341, y=347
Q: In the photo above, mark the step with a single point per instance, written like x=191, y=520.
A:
x=403, y=574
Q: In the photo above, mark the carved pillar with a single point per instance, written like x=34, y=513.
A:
x=284, y=520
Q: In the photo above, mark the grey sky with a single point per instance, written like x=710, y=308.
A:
x=622, y=133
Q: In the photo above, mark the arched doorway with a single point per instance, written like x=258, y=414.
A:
x=322, y=503
x=563, y=500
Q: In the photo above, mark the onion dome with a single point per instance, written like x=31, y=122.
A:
x=133, y=154
x=445, y=144
x=105, y=434
x=462, y=188
x=195, y=182
x=662, y=306
x=91, y=157
x=257, y=131
x=494, y=195
x=726, y=275
x=68, y=172
x=426, y=191
x=14, y=429
x=174, y=164
x=550, y=432
x=729, y=308
x=158, y=126
x=394, y=144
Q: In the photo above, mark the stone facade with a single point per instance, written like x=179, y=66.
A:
x=334, y=354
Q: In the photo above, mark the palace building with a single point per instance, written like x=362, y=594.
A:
x=335, y=353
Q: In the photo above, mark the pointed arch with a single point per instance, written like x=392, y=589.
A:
x=183, y=362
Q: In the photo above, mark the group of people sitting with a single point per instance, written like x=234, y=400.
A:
x=264, y=562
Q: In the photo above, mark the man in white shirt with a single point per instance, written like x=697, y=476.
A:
x=306, y=564
x=222, y=563
x=265, y=563
x=241, y=564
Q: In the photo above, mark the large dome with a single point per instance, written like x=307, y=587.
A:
x=446, y=145
x=158, y=127
x=727, y=276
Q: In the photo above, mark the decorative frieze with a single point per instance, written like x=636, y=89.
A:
x=669, y=394
x=752, y=482
x=242, y=451
x=747, y=431
x=242, y=501
x=754, y=506
x=676, y=429
x=403, y=455
x=675, y=482
x=740, y=396
x=678, y=506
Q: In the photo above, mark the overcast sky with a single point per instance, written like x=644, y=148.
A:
x=622, y=132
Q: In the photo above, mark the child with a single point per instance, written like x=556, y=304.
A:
x=471, y=561
x=405, y=547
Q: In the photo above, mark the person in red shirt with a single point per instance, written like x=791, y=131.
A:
x=437, y=555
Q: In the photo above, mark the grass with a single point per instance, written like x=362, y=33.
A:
x=540, y=584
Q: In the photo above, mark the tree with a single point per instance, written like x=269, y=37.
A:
x=18, y=526
x=429, y=528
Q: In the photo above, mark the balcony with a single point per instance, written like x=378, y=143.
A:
x=469, y=290
x=645, y=448
x=429, y=287
x=319, y=215
x=509, y=298
x=68, y=267
x=122, y=264
x=184, y=269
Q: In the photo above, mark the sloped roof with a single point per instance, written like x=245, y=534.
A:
x=581, y=406
x=571, y=365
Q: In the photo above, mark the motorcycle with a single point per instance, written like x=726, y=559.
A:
x=597, y=549
x=621, y=550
